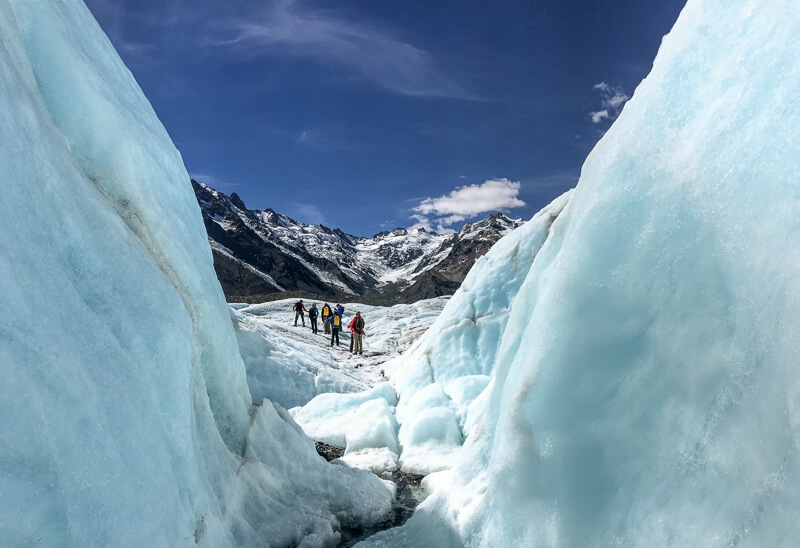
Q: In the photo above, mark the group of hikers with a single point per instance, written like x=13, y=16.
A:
x=332, y=322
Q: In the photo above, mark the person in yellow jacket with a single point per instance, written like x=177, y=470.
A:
x=335, y=321
x=326, y=313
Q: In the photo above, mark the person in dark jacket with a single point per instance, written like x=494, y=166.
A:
x=312, y=315
x=356, y=327
x=326, y=313
x=335, y=322
x=298, y=312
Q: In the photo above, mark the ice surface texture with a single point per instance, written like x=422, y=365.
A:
x=439, y=376
x=646, y=390
x=290, y=366
x=442, y=374
x=288, y=371
x=126, y=415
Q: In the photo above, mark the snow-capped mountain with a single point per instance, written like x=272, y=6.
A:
x=257, y=253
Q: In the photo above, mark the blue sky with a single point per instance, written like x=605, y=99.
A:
x=368, y=115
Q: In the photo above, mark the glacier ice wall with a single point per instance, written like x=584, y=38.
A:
x=442, y=374
x=646, y=388
x=125, y=410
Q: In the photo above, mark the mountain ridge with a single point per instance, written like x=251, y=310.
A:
x=261, y=255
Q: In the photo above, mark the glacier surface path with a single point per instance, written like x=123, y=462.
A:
x=290, y=365
x=337, y=398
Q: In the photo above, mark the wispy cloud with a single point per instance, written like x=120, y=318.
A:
x=307, y=213
x=292, y=28
x=323, y=139
x=612, y=100
x=599, y=115
x=115, y=18
x=550, y=185
x=466, y=202
x=357, y=49
x=214, y=182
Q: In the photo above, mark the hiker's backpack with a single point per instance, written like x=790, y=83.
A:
x=336, y=321
x=359, y=324
x=298, y=306
x=326, y=310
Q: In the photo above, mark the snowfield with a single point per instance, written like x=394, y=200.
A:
x=336, y=397
x=289, y=365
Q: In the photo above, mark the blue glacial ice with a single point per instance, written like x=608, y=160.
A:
x=441, y=376
x=126, y=415
x=622, y=370
x=644, y=391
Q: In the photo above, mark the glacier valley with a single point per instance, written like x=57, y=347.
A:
x=622, y=370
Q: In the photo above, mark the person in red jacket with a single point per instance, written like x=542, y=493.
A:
x=298, y=312
x=356, y=327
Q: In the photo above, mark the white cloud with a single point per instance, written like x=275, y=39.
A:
x=598, y=116
x=612, y=100
x=616, y=101
x=466, y=202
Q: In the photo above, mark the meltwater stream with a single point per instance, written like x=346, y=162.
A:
x=408, y=495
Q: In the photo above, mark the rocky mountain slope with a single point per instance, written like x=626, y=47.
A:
x=259, y=255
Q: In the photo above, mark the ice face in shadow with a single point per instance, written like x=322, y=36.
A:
x=646, y=386
x=126, y=415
